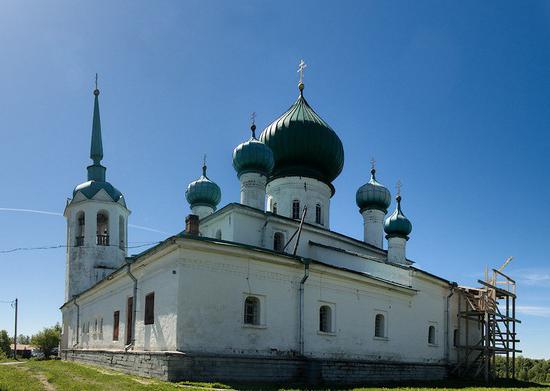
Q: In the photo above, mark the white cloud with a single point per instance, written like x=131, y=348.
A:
x=46, y=212
x=42, y=212
x=532, y=277
x=534, y=310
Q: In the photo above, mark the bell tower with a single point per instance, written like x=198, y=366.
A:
x=97, y=222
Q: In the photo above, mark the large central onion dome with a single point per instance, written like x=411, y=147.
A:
x=303, y=144
x=253, y=156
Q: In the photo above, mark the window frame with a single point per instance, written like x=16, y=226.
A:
x=432, y=326
x=295, y=211
x=318, y=214
x=332, y=318
x=384, y=315
x=282, y=243
x=116, y=325
x=149, y=310
x=261, y=314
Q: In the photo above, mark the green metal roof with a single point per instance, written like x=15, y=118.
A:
x=397, y=224
x=253, y=156
x=373, y=195
x=90, y=188
x=303, y=144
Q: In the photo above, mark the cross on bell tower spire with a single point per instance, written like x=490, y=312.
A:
x=301, y=68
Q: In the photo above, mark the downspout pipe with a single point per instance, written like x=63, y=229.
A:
x=447, y=321
x=134, y=306
x=77, y=322
x=301, y=318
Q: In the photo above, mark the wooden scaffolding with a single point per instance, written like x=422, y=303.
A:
x=487, y=326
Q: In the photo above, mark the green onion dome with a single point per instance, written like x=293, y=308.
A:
x=304, y=145
x=203, y=192
x=373, y=195
x=397, y=224
x=253, y=156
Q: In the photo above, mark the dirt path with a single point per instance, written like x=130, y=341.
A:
x=44, y=380
x=11, y=363
x=41, y=378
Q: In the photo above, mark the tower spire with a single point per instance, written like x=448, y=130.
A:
x=96, y=171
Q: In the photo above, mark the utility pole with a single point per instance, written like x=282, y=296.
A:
x=15, y=333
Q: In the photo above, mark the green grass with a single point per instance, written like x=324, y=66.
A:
x=15, y=379
x=66, y=376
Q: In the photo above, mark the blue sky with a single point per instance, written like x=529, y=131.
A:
x=452, y=98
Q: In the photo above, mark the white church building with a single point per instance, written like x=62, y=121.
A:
x=261, y=289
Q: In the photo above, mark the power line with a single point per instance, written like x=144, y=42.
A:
x=18, y=249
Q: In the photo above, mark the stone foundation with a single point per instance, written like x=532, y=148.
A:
x=176, y=366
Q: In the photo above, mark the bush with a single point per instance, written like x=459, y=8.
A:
x=5, y=343
x=47, y=340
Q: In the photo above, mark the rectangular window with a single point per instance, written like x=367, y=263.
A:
x=295, y=209
x=116, y=322
x=129, y=320
x=150, y=308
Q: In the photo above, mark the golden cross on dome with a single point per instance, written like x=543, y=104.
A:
x=301, y=68
x=96, y=81
x=398, y=186
x=372, y=163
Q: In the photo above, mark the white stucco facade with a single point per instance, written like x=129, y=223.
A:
x=97, y=231
x=200, y=285
x=373, y=227
x=308, y=192
x=253, y=190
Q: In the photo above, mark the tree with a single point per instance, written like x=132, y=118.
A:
x=5, y=343
x=23, y=339
x=47, y=339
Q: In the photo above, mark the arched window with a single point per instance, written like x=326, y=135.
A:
x=379, y=326
x=431, y=335
x=102, y=229
x=278, y=241
x=219, y=234
x=295, y=209
x=274, y=208
x=318, y=216
x=252, y=310
x=121, y=233
x=455, y=338
x=80, y=228
x=325, y=319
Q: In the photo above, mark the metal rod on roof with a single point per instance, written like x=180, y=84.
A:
x=300, y=231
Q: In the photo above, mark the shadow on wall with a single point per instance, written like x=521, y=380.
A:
x=153, y=331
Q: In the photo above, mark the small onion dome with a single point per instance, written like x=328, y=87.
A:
x=253, y=156
x=203, y=192
x=373, y=195
x=304, y=145
x=397, y=224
